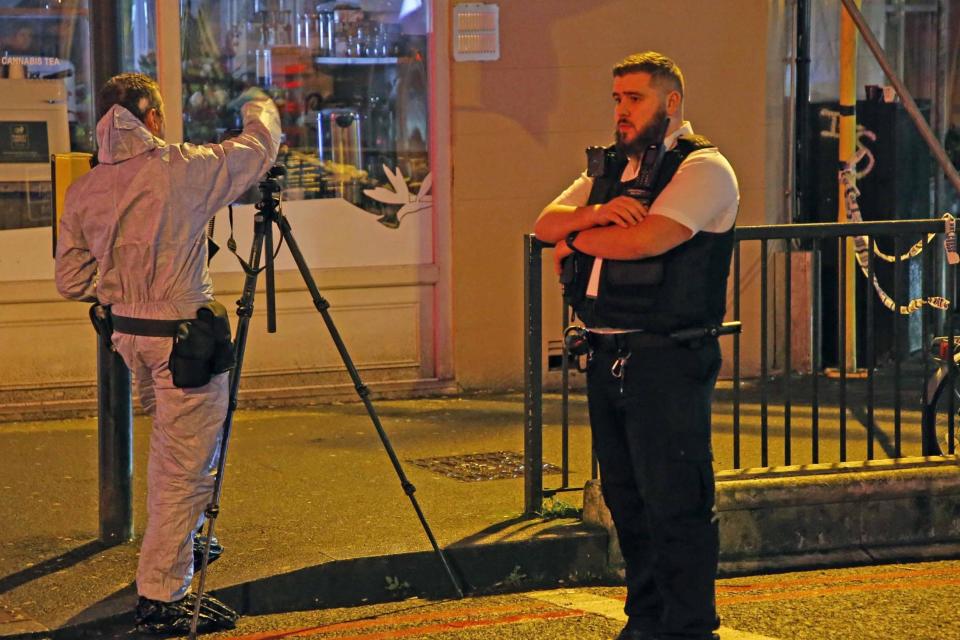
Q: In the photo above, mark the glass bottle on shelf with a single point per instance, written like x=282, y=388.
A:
x=339, y=42
x=283, y=27
x=379, y=41
x=353, y=39
x=325, y=27
x=264, y=67
x=308, y=32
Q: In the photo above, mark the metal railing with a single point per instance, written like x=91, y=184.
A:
x=817, y=239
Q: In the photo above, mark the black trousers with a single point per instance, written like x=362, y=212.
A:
x=651, y=429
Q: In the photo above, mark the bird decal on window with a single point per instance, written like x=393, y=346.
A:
x=409, y=202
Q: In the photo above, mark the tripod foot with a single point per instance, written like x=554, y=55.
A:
x=165, y=618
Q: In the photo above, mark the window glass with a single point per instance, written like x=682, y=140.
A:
x=138, y=36
x=350, y=79
x=47, y=106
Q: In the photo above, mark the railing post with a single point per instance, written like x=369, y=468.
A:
x=736, y=356
x=115, y=435
x=565, y=403
x=533, y=378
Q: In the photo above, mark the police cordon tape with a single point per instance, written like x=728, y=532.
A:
x=862, y=243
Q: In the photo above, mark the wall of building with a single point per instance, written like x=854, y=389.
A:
x=519, y=126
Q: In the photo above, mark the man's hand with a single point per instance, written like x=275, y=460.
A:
x=560, y=251
x=250, y=93
x=557, y=221
x=622, y=211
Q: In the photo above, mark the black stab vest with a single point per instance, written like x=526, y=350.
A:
x=683, y=288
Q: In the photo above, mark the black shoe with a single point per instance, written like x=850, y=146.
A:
x=215, y=550
x=631, y=633
x=175, y=618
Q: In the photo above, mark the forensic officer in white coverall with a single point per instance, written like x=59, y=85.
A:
x=132, y=236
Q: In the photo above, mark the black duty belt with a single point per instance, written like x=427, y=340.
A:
x=617, y=342
x=143, y=327
x=629, y=341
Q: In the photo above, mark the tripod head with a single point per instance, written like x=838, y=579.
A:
x=269, y=213
x=270, y=185
x=274, y=173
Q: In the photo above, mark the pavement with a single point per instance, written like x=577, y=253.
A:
x=313, y=516
x=313, y=513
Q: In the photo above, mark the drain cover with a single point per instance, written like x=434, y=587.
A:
x=475, y=467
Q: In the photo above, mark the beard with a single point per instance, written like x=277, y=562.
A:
x=644, y=137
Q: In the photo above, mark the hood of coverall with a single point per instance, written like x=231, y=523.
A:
x=121, y=136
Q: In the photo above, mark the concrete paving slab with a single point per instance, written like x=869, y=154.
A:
x=13, y=623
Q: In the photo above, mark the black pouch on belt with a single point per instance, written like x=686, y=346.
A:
x=102, y=320
x=202, y=347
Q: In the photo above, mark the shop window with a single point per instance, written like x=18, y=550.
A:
x=47, y=105
x=138, y=36
x=350, y=80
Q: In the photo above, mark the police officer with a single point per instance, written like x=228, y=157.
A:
x=132, y=236
x=637, y=274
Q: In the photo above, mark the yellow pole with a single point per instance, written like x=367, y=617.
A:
x=848, y=147
x=65, y=168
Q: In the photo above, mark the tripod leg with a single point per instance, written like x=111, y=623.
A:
x=244, y=312
x=323, y=307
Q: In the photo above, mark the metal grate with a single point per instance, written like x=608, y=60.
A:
x=476, y=467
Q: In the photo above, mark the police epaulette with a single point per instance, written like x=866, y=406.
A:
x=694, y=142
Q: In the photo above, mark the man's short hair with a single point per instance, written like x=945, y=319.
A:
x=128, y=90
x=660, y=67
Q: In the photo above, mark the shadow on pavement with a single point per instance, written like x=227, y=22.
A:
x=52, y=565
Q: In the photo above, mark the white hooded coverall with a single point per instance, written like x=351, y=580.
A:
x=133, y=235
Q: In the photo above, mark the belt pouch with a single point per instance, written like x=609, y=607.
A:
x=224, y=357
x=202, y=347
x=102, y=320
x=574, y=277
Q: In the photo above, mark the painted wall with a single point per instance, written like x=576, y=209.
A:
x=519, y=126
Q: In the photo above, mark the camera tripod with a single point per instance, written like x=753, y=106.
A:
x=268, y=214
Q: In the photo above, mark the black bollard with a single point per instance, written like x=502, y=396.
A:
x=115, y=428
x=533, y=384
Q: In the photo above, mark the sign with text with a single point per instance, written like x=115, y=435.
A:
x=24, y=142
